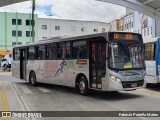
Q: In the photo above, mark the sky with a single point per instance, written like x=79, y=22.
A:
x=89, y=10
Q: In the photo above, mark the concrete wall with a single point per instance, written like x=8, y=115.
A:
x=6, y=29
x=69, y=27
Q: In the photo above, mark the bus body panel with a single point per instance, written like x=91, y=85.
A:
x=151, y=76
x=153, y=66
x=158, y=60
x=127, y=80
x=61, y=72
x=16, y=69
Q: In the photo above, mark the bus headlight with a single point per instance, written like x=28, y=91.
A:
x=113, y=77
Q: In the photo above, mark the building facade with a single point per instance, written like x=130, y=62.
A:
x=137, y=22
x=140, y=23
x=114, y=25
x=16, y=28
x=48, y=27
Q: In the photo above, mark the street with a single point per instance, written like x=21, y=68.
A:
x=17, y=95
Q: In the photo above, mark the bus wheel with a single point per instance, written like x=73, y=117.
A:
x=83, y=86
x=32, y=79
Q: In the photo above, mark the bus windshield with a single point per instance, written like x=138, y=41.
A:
x=126, y=55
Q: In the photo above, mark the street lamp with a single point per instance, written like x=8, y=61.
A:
x=50, y=24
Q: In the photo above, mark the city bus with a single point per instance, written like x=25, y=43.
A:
x=152, y=60
x=111, y=61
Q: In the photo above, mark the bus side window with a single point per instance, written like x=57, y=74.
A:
x=16, y=54
x=32, y=53
x=51, y=52
x=68, y=50
x=79, y=50
x=41, y=52
x=61, y=50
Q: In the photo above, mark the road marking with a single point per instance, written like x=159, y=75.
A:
x=18, y=96
x=4, y=101
x=22, y=100
x=26, y=90
x=43, y=89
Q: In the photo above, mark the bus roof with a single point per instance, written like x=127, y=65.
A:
x=61, y=39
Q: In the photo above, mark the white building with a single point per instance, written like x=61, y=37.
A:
x=58, y=27
x=140, y=23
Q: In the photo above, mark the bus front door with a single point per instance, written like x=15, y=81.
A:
x=97, y=63
x=23, y=57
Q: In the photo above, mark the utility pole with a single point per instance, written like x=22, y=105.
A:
x=33, y=23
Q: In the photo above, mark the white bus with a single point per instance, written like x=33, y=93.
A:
x=112, y=61
x=152, y=60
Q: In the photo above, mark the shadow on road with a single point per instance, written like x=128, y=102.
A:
x=154, y=87
x=110, y=96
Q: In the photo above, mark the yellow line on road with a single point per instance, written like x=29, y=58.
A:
x=4, y=101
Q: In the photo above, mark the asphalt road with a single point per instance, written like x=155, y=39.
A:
x=17, y=95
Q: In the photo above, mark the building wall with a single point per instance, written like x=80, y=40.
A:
x=57, y=27
x=128, y=23
x=141, y=24
x=7, y=27
x=114, y=25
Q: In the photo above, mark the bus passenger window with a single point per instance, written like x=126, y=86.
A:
x=68, y=50
x=51, y=51
x=61, y=50
x=79, y=50
x=41, y=52
x=16, y=54
x=32, y=53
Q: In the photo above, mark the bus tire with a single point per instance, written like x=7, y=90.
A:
x=32, y=79
x=83, y=86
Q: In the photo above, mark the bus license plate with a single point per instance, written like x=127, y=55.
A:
x=133, y=84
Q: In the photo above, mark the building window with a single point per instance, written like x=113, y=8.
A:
x=44, y=37
x=19, y=22
x=148, y=31
x=13, y=21
x=57, y=27
x=127, y=25
x=151, y=30
x=83, y=29
x=27, y=33
x=132, y=24
x=13, y=33
x=44, y=27
x=144, y=32
x=19, y=33
x=95, y=30
x=73, y=28
x=27, y=22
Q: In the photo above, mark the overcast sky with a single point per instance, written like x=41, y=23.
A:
x=91, y=10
